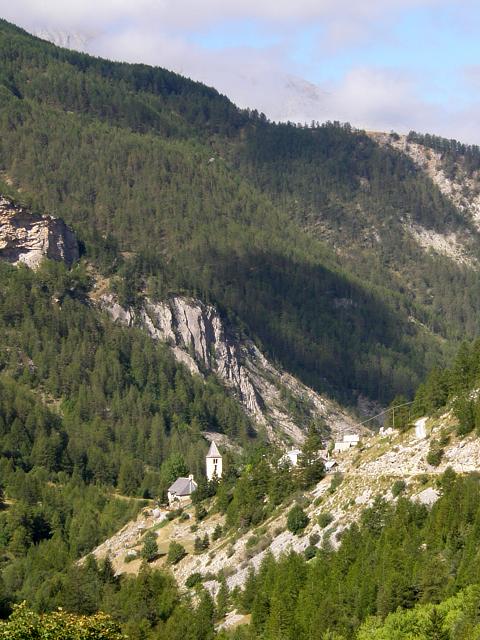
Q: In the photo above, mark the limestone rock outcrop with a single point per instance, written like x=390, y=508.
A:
x=201, y=339
x=27, y=237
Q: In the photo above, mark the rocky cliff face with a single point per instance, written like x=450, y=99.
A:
x=463, y=191
x=28, y=238
x=200, y=339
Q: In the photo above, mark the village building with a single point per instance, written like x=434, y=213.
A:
x=181, y=491
x=349, y=440
x=291, y=457
x=214, y=463
x=330, y=464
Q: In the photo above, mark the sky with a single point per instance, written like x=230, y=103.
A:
x=380, y=65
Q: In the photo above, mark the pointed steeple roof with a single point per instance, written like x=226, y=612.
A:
x=213, y=452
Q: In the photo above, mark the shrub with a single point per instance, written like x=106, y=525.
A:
x=130, y=557
x=201, y=544
x=310, y=552
x=193, y=579
x=252, y=541
x=336, y=481
x=200, y=512
x=150, y=548
x=217, y=532
x=24, y=624
x=314, y=539
x=184, y=516
x=435, y=453
x=297, y=519
x=171, y=515
x=324, y=519
x=398, y=487
x=175, y=552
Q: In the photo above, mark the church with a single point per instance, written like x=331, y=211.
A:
x=180, y=491
x=214, y=463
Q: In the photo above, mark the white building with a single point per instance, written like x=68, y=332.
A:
x=349, y=440
x=181, y=490
x=214, y=462
x=291, y=457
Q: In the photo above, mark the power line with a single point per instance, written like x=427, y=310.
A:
x=397, y=406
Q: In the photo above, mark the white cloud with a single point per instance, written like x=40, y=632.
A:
x=196, y=13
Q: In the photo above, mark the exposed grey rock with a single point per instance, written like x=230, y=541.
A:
x=200, y=338
x=427, y=497
x=28, y=238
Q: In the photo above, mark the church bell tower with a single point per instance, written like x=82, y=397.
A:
x=214, y=462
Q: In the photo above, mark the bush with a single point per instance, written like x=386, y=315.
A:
x=435, y=454
x=150, y=547
x=297, y=519
x=398, y=487
x=252, y=541
x=336, y=481
x=130, y=557
x=217, y=532
x=324, y=519
x=193, y=579
x=314, y=539
x=310, y=552
x=200, y=512
x=24, y=624
x=175, y=552
x=201, y=544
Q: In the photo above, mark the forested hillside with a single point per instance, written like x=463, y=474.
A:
x=305, y=239
x=90, y=413
x=170, y=186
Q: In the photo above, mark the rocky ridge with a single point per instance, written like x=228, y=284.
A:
x=27, y=238
x=200, y=339
x=463, y=191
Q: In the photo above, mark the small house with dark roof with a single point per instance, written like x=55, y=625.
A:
x=181, y=490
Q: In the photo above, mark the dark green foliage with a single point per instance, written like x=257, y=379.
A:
x=399, y=555
x=451, y=150
x=398, y=487
x=150, y=548
x=200, y=512
x=398, y=416
x=201, y=544
x=217, y=532
x=324, y=519
x=459, y=384
x=175, y=552
x=435, y=453
x=310, y=552
x=236, y=231
x=311, y=467
x=193, y=579
x=297, y=519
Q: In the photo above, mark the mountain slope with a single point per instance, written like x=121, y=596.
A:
x=140, y=160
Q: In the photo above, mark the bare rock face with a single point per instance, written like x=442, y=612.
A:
x=200, y=339
x=28, y=238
